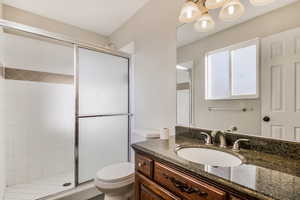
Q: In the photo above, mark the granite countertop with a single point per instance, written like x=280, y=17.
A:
x=262, y=175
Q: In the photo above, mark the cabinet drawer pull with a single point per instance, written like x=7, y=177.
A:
x=141, y=164
x=144, y=165
x=183, y=187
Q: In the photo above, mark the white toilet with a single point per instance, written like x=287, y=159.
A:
x=116, y=181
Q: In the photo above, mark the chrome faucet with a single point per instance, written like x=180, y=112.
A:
x=223, y=143
x=236, y=144
x=208, y=140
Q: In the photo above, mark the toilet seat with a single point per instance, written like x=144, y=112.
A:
x=115, y=176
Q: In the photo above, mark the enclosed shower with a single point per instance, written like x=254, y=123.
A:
x=66, y=111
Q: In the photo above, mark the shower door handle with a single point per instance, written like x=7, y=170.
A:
x=106, y=115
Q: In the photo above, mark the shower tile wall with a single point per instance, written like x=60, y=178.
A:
x=39, y=115
x=39, y=139
x=28, y=75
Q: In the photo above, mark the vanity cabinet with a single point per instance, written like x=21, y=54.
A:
x=149, y=190
x=155, y=180
x=186, y=186
x=144, y=165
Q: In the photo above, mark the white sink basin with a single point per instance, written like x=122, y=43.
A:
x=209, y=157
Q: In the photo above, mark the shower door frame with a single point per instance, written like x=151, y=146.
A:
x=76, y=45
x=78, y=116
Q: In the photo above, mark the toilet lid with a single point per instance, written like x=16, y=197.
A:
x=116, y=172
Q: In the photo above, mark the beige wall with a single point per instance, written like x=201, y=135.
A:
x=31, y=19
x=153, y=29
x=274, y=22
x=2, y=138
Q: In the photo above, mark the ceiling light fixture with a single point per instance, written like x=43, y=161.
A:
x=232, y=10
x=189, y=12
x=205, y=23
x=198, y=11
x=213, y=4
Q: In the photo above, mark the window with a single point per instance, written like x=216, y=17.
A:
x=232, y=72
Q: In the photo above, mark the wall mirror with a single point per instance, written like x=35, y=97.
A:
x=238, y=68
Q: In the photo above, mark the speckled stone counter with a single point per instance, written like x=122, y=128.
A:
x=262, y=175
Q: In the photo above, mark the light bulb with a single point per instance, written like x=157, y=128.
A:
x=189, y=12
x=204, y=23
x=232, y=10
x=213, y=4
x=261, y=2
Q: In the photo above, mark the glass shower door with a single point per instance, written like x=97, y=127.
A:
x=103, y=112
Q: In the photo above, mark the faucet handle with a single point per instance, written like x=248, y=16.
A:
x=208, y=140
x=236, y=144
x=214, y=133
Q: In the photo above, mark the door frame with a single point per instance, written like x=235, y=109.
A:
x=191, y=93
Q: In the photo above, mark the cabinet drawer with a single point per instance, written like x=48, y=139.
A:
x=145, y=189
x=144, y=165
x=185, y=186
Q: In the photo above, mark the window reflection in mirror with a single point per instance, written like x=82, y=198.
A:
x=246, y=72
x=231, y=72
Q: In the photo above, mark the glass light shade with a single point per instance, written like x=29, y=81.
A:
x=189, y=12
x=213, y=4
x=204, y=23
x=232, y=10
x=261, y=2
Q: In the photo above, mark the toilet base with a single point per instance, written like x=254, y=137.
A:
x=128, y=196
x=124, y=193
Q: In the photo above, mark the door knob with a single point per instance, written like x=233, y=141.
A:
x=266, y=119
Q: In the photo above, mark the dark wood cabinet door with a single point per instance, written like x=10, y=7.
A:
x=146, y=189
x=157, y=181
x=186, y=186
x=147, y=194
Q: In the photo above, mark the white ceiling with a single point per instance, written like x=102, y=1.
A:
x=100, y=16
x=186, y=33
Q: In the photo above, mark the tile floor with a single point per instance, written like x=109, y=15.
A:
x=39, y=188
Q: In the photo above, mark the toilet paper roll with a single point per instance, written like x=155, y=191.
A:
x=164, y=134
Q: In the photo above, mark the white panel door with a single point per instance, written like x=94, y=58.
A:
x=280, y=77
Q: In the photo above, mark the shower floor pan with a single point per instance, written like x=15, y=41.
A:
x=40, y=188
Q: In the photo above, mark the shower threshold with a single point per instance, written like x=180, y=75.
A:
x=40, y=188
